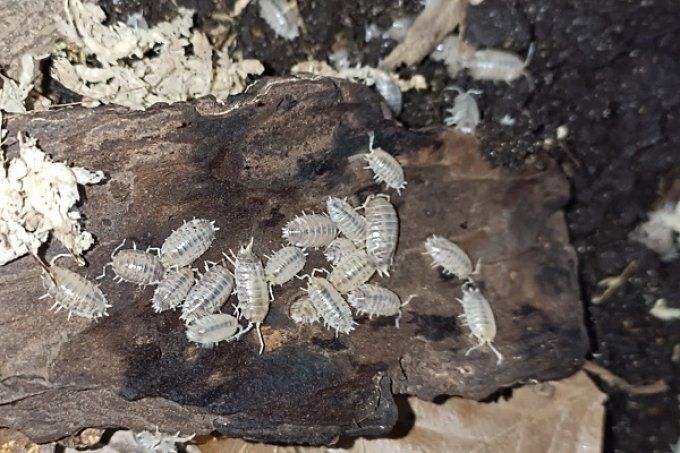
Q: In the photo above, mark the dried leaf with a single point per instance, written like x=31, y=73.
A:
x=553, y=417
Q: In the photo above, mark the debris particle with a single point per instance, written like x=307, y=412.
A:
x=662, y=311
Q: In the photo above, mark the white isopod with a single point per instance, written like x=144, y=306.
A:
x=374, y=300
x=173, y=289
x=347, y=219
x=211, y=329
x=282, y=16
x=465, y=113
x=390, y=91
x=187, y=243
x=72, y=292
x=382, y=232
x=498, y=65
x=329, y=304
x=302, y=311
x=135, y=266
x=351, y=271
x=310, y=230
x=338, y=248
x=209, y=293
x=453, y=52
x=478, y=316
x=251, y=289
x=386, y=169
x=283, y=265
x=450, y=257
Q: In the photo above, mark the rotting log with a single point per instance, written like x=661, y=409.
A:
x=250, y=165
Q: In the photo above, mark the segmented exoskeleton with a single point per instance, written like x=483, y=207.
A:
x=374, y=300
x=135, y=266
x=452, y=259
x=383, y=231
x=310, y=230
x=187, y=243
x=478, y=316
x=209, y=293
x=347, y=219
x=173, y=289
x=329, y=304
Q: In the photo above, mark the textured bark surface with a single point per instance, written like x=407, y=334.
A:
x=250, y=165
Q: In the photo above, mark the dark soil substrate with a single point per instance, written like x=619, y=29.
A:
x=609, y=71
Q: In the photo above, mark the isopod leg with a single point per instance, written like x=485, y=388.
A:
x=103, y=274
x=119, y=247
x=259, y=336
x=271, y=292
x=498, y=354
x=409, y=299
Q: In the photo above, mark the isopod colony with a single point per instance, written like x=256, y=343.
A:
x=357, y=242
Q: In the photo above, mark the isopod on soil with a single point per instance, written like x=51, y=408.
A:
x=374, y=300
x=282, y=16
x=347, y=219
x=478, y=316
x=498, y=65
x=310, y=230
x=173, y=289
x=211, y=329
x=73, y=292
x=453, y=52
x=251, y=288
x=283, y=265
x=351, y=271
x=329, y=304
x=338, y=248
x=209, y=293
x=135, y=266
x=450, y=257
x=302, y=311
x=386, y=169
x=465, y=113
x=187, y=243
x=382, y=231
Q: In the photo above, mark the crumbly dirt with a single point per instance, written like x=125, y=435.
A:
x=608, y=71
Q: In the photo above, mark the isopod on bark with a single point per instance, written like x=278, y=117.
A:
x=373, y=300
x=302, y=311
x=382, y=232
x=209, y=293
x=188, y=242
x=478, y=316
x=386, y=169
x=351, y=271
x=211, y=329
x=283, y=265
x=310, y=230
x=450, y=257
x=135, y=266
x=72, y=292
x=173, y=289
x=329, y=304
x=347, y=219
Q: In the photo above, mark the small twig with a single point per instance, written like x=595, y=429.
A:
x=612, y=284
x=610, y=378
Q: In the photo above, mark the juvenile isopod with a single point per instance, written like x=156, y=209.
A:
x=209, y=293
x=282, y=16
x=498, y=65
x=187, y=243
x=386, y=169
x=450, y=257
x=302, y=311
x=72, y=292
x=454, y=52
x=374, y=300
x=382, y=232
x=351, y=271
x=173, y=289
x=330, y=305
x=135, y=266
x=478, y=316
x=465, y=113
x=339, y=248
x=390, y=91
x=211, y=329
x=347, y=219
x=283, y=265
x=251, y=289
x=310, y=230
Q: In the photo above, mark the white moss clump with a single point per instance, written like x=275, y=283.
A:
x=38, y=198
x=138, y=66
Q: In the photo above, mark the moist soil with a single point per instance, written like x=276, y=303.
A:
x=608, y=72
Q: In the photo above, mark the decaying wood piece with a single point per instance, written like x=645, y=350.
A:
x=251, y=165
